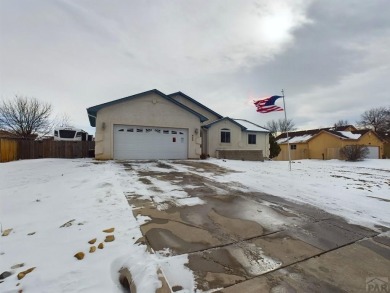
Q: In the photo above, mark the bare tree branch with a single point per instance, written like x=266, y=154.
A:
x=341, y=123
x=26, y=117
x=376, y=119
x=280, y=125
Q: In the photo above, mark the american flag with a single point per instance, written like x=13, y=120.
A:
x=268, y=105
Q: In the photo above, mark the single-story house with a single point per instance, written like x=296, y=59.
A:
x=325, y=143
x=152, y=125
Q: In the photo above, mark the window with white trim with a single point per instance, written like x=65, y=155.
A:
x=225, y=135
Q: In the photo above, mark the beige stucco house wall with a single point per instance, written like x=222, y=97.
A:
x=238, y=138
x=147, y=110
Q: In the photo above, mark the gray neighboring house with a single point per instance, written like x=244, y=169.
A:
x=152, y=125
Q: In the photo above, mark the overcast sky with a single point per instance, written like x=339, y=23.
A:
x=331, y=57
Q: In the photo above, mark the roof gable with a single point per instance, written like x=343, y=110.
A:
x=250, y=126
x=92, y=111
x=363, y=132
x=344, y=128
x=207, y=126
x=196, y=103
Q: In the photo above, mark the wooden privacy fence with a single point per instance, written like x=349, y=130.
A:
x=11, y=150
x=8, y=150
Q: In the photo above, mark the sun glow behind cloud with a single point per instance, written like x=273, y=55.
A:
x=275, y=28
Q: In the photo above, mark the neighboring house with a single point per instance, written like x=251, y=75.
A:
x=7, y=134
x=325, y=143
x=152, y=125
x=10, y=135
x=385, y=136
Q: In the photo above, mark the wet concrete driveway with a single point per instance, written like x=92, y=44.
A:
x=243, y=241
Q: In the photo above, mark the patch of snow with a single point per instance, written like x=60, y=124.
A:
x=253, y=259
x=171, y=266
x=250, y=126
x=349, y=134
x=189, y=201
x=295, y=139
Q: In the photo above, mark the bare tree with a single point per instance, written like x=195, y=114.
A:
x=376, y=118
x=25, y=117
x=280, y=125
x=341, y=123
x=63, y=120
x=272, y=126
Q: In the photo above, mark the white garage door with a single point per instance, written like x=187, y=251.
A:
x=142, y=142
x=373, y=152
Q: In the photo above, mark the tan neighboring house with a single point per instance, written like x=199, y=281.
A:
x=152, y=125
x=325, y=143
x=385, y=136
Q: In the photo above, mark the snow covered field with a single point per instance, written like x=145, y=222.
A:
x=55, y=206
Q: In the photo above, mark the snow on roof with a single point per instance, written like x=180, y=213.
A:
x=349, y=134
x=296, y=139
x=250, y=126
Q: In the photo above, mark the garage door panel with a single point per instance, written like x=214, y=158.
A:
x=373, y=152
x=135, y=142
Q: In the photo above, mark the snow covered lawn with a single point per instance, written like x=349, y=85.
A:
x=357, y=191
x=38, y=197
x=55, y=206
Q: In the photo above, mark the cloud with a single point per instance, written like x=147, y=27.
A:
x=328, y=56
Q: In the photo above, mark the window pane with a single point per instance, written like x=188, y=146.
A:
x=225, y=136
x=67, y=133
x=251, y=138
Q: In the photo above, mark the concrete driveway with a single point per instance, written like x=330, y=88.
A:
x=242, y=241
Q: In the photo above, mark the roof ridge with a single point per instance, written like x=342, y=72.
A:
x=197, y=103
x=92, y=111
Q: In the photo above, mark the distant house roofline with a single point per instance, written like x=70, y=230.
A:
x=338, y=132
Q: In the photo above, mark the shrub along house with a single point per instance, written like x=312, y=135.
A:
x=325, y=143
x=152, y=125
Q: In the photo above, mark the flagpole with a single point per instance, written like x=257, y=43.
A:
x=285, y=123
